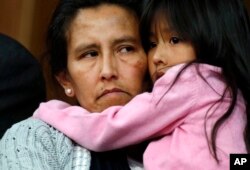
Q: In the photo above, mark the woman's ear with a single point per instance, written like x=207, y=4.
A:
x=64, y=80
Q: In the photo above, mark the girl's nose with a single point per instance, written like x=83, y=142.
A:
x=160, y=55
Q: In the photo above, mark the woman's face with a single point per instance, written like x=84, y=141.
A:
x=106, y=62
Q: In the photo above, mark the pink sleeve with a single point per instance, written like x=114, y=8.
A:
x=146, y=116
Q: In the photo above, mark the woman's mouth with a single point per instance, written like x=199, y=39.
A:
x=113, y=91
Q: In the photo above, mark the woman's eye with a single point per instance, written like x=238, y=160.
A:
x=89, y=54
x=126, y=49
x=174, y=40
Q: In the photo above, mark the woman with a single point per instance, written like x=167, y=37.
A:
x=98, y=59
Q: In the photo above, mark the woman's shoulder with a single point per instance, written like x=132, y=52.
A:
x=29, y=122
x=32, y=128
x=33, y=131
x=37, y=144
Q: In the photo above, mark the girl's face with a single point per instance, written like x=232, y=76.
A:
x=167, y=48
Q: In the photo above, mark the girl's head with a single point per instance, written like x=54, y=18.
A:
x=218, y=32
x=165, y=46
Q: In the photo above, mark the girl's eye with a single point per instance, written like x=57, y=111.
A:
x=126, y=49
x=152, y=45
x=174, y=40
x=89, y=54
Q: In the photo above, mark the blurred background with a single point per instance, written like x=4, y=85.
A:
x=27, y=21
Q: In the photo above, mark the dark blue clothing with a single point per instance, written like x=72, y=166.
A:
x=22, y=85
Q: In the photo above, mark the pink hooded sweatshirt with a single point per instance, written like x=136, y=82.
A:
x=173, y=118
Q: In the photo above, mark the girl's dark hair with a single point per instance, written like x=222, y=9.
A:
x=219, y=31
x=61, y=20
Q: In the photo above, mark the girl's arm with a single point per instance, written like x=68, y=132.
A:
x=146, y=116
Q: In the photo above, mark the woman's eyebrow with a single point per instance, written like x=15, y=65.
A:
x=83, y=46
x=123, y=39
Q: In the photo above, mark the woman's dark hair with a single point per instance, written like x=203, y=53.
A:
x=61, y=20
x=219, y=31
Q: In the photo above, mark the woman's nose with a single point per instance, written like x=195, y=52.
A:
x=108, y=68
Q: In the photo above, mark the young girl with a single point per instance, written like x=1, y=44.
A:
x=198, y=111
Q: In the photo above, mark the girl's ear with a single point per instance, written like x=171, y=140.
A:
x=64, y=80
